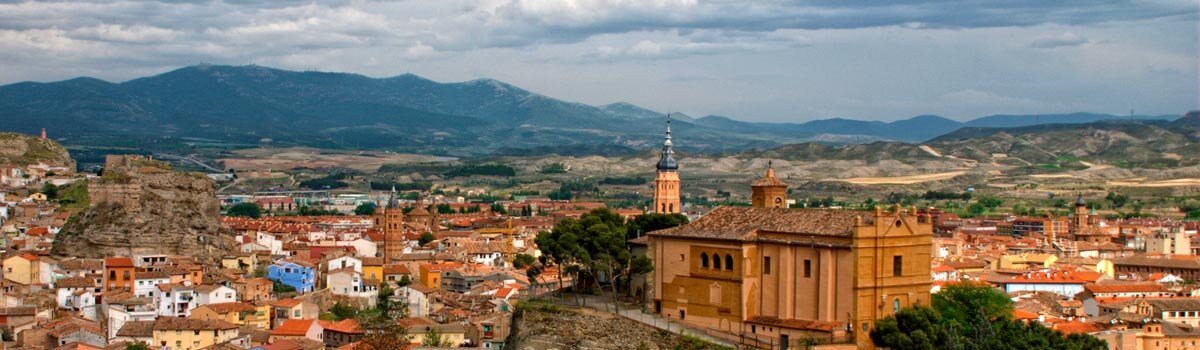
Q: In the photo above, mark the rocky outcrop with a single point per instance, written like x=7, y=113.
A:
x=141, y=206
x=21, y=149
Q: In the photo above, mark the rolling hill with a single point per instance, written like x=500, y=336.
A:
x=253, y=105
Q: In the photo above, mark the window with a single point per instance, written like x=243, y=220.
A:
x=728, y=262
x=807, y=268
x=766, y=265
x=704, y=260
x=112, y=275
x=671, y=206
x=896, y=305
x=897, y=265
x=126, y=274
x=717, y=261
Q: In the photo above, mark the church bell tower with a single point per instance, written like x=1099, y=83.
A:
x=666, y=182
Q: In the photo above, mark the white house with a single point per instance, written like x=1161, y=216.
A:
x=363, y=246
x=146, y=282
x=78, y=294
x=348, y=282
x=175, y=300
x=417, y=298
x=345, y=262
x=124, y=307
x=271, y=242
x=214, y=294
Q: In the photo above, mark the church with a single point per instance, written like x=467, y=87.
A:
x=772, y=274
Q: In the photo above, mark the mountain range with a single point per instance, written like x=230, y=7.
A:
x=253, y=105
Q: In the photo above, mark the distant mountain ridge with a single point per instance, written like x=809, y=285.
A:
x=251, y=105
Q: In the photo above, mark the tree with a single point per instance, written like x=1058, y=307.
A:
x=976, y=209
x=533, y=272
x=523, y=260
x=642, y=224
x=251, y=210
x=405, y=281
x=911, y=328
x=365, y=209
x=499, y=209
x=382, y=333
x=50, y=190
x=426, y=238
x=991, y=202
x=433, y=338
x=971, y=316
x=961, y=301
x=384, y=304
x=590, y=246
x=341, y=312
x=136, y=346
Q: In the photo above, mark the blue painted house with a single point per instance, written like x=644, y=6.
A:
x=299, y=275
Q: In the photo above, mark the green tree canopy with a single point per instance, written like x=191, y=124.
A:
x=522, y=260
x=655, y=221
x=971, y=316
x=426, y=238
x=365, y=209
x=251, y=210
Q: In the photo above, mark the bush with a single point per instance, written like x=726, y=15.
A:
x=485, y=170
x=251, y=210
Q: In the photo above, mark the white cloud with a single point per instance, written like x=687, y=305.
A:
x=1066, y=39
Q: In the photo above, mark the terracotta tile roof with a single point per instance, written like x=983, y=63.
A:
x=288, y=303
x=1024, y=315
x=349, y=326
x=76, y=282
x=744, y=223
x=18, y=311
x=137, y=329
x=396, y=270
x=224, y=308
x=118, y=262
x=81, y=264
x=148, y=275
x=1125, y=288
x=1176, y=304
x=282, y=344
x=1077, y=327
x=1188, y=262
x=293, y=327
x=189, y=324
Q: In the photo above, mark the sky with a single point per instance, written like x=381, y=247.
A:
x=750, y=60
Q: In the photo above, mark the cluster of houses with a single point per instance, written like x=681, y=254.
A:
x=1128, y=282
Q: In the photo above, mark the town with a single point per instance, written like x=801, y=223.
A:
x=410, y=269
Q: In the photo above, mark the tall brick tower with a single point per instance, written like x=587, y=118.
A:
x=390, y=219
x=666, y=183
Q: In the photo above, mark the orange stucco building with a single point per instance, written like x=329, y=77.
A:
x=771, y=274
x=118, y=274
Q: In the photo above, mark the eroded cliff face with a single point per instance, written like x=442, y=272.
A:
x=140, y=206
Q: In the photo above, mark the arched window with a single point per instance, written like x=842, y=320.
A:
x=729, y=262
x=717, y=261
x=672, y=206
x=704, y=260
x=896, y=305
x=664, y=207
x=778, y=202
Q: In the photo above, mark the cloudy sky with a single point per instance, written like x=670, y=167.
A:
x=768, y=60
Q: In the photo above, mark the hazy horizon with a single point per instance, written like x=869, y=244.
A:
x=776, y=62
